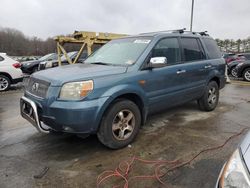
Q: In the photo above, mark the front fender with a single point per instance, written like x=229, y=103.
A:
x=119, y=90
x=116, y=91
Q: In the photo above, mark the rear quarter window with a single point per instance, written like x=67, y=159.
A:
x=1, y=58
x=213, y=51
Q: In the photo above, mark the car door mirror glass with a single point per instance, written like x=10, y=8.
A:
x=157, y=62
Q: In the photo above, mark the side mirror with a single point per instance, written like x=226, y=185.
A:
x=157, y=62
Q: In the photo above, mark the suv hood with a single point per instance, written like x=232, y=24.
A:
x=68, y=73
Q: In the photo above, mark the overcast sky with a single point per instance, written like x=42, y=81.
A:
x=47, y=18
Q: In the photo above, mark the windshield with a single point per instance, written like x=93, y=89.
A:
x=120, y=52
x=46, y=57
x=70, y=55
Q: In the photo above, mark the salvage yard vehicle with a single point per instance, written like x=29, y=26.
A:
x=235, y=173
x=229, y=57
x=127, y=79
x=64, y=61
x=243, y=70
x=232, y=65
x=30, y=67
x=10, y=72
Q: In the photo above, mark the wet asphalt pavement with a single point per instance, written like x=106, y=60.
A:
x=68, y=161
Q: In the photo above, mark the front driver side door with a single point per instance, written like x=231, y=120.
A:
x=164, y=86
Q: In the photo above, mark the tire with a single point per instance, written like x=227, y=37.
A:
x=210, y=98
x=234, y=72
x=4, y=83
x=120, y=124
x=246, y=74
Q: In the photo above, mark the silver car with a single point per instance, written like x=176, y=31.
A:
x=235, y=173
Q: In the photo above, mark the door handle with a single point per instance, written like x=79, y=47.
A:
x=208, y=66
x=180, y=71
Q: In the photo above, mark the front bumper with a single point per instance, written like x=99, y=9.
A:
x=66, y=116
x=29, y=111
x=218, y=180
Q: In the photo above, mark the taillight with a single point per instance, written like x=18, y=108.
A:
x=17, y=65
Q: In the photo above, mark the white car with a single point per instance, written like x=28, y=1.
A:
x=10, y=72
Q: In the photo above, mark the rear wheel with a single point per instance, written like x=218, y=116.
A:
x=120, y=124
x=246, y=74
x=210, y=98
x=4, y=83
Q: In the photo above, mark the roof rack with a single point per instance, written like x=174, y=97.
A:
x=181, y=31
x=167, y=31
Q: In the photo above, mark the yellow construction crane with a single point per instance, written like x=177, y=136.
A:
x=86, y=38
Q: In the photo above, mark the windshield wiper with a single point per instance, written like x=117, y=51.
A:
x=100, y=63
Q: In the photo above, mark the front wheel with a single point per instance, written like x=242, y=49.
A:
x=234, y=72
x=210, y=98
x=246, y=74
x=120, y=124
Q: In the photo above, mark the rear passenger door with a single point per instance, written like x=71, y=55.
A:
x=194, y=67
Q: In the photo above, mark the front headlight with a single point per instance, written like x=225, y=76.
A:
x=76, y=90
x=234, y=174
x=48, y=64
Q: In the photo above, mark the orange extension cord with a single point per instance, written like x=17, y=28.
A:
x=122, y=171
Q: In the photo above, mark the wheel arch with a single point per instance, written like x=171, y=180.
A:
x=243, y=70
x=132, y=96
x=216, y=79
x=7, y=75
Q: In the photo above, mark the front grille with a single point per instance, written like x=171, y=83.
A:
x=36, y=87
x=41, y=66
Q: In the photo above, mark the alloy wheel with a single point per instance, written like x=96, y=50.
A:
x=123, y=125
x=3, y=84
x=247, y=75
x=234, y=73
x=212, y=96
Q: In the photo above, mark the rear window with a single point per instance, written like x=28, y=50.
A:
x=1, y=58
x=192, y=49
x=212, y=49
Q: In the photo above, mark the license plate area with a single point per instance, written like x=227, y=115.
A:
x=28, y=110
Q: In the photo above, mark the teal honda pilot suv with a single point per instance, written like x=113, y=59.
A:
x=112, y=93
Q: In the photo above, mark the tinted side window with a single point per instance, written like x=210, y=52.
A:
x=212, y=49
x=168, y=48
x=192, y=49
x=1, y=58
